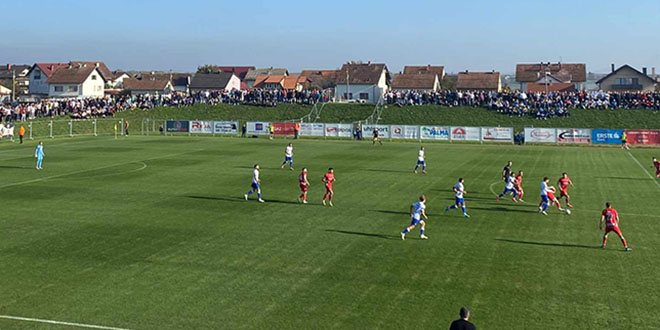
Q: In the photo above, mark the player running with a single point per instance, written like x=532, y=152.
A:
x=624, y=141
x=506, y=172
x=656, y=163
x=611, y=219
x=376, y=137
x=420, y=161
x=288, y=156
x=563, y=184
x=459, y=189
x=545, y=200
x=553, y=200
x=417, y=211
x=256, y=184
x=518, y=186
x=304, y=185
x=39, y=154
x=509, y=188
x=328, y=179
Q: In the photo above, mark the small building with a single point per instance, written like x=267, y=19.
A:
x=147, y=86
x=5, y=94
x=364, y=82
x=117, y=79
x=419, y=82
x=479, y=81
x=321, y=79
x=37, y=76
x=239, y=71
x=550, y=87
x=269, y=81
x=550, y=73
x=76, y=81
x=215, y=82
x=101, y=67
x=15, y=74
x=251, y=75
x=180, y=81
x=627, y=79
x=295, y=82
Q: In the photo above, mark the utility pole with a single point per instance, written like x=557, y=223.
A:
x=13, y=85
x=347, y=76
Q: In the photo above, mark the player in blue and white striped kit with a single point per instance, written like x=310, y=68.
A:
x=510, y=187
x=545, y=201
x=288, y=156
x=420, y=161
x=459, y=189
x=256, y=184
x=39, y=154
x=417, y=211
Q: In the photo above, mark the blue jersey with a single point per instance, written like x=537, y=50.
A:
x=40, y=151
x=418, y=208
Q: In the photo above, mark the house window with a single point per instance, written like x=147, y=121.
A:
x=59, y=88
x=627, y=81
x=72, y=89
x=37, y=75
x=93, y=77
x=364, y=96
x=348, y=96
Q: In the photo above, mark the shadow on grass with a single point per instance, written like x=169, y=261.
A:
x=239, y=199
x=547, y=244
x=387, y=170
x=14, y=167
x=363, y=234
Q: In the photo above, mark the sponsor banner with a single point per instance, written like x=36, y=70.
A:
x=284, y=128
x=497, y=134
x=201, y=127
x=177, y=126
x=435, y=132
x=225, y=127
x=540, y=135
x=606, y=136
x=462, y=133
x=643, y=136
x=312, y=129
x=258, y=127
x=404, y=132
x=576, y=135
x=339, y=130
x=383, y=131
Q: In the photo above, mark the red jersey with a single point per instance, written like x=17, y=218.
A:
x=656, y=163
x=302, y=178
x=563, y=183
x=611, y=217
x=328, y=178
x=518, y=181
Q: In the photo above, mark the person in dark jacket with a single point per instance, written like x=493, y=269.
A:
x=463, y=323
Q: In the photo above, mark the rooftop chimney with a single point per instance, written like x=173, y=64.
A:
x=644, y=71
x=96, y=65
x=612, y=67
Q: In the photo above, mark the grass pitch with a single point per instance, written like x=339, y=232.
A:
x=153, y=233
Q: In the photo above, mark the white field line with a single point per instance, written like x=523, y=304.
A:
x=643, y=169
x=94, y=169
x=72, y=324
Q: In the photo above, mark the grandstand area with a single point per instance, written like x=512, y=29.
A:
x=152, y=232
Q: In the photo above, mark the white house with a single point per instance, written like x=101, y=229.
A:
x=38, y=74
x=81, y=80
x=117, y=79
x=364, y=82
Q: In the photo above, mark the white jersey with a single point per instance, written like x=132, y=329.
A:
x=459, y=190
x=418, y=208
x=510, y=182
x=420, y=156
x=255, y=176
x=289, y=151
x=544, y=189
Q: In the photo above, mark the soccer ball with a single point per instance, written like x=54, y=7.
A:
x=568, y=211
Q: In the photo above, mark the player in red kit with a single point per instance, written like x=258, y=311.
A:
x=518, y=186
x=563, y=184
x=656, y=163
x=328, y=179
x=304, y=184
x=552, y=198
x=611, y=219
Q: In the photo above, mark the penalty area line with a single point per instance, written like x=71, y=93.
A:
x=72, y=324
x=643, y=169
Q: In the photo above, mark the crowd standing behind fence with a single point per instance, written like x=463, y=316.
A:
x=517, y=103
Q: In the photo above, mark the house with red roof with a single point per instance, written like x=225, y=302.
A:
x=76, y=81
x=38, y=74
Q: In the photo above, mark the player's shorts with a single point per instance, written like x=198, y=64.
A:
x=460, y=200
x=563, y=192
x=287, y=159
x=507, y=190
x=328, y=187
x=255, y=185
x=303, y=188
x=415, y=222
x=551, y=196
x=421, y=162
x=545, y=199
x=614, y=229
x=518, y=189
x=375, y=139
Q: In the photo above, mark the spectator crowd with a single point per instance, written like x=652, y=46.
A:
x=516, y=103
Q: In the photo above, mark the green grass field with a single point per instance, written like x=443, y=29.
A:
x=153, y=233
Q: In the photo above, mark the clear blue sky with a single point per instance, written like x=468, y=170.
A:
x=463, y=34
